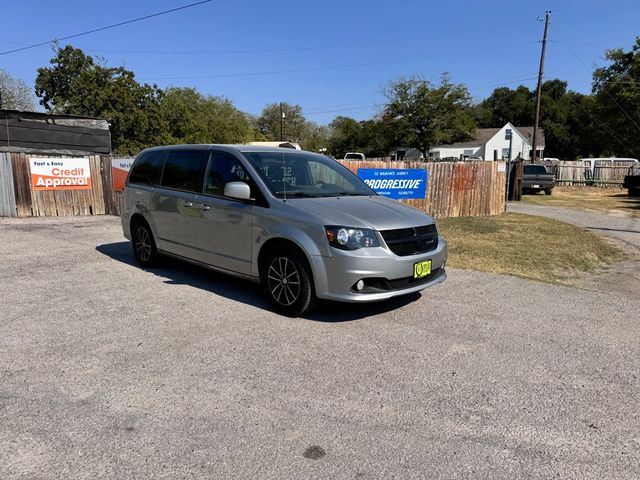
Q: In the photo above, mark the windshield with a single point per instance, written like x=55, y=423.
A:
x=301, y=174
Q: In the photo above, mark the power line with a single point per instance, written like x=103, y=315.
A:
x=579, y=10
x=353, y=109
x=332, y=67
x=584, y=65
x=119, y=24
x=373, y=103
x=603, y=125
x=309, y=48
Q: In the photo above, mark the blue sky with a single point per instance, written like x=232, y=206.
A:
x=332, y=57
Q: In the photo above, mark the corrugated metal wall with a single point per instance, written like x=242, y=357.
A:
x=7, y=192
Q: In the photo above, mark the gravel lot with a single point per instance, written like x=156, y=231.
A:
x=111, y=371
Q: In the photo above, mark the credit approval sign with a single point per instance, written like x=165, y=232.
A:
x=396, y=183
x=119, y=170
x=58, y=173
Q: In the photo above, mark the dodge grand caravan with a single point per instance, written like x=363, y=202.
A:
x=298, y=222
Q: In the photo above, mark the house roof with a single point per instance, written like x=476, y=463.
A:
x=483, y=135
x=527, y=132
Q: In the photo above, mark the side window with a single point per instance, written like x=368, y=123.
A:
x=224, y=168
x=148, y=168
x=322, y=174
x=184, y=170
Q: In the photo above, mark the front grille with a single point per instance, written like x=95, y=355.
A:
x=411, y=241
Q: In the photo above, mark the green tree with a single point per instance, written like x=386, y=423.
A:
x=271, y=120
x=191, y=117
x=76, y=84
x=617, y=92
x=314, y=137
x=506, y=105
x=346, y=136
x=378, y=137
x=14, y=93
x=427, y=115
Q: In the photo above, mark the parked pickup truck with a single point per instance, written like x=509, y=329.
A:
x=632, y=182
x=536, y=178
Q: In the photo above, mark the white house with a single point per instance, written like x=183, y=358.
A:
x=493, y=144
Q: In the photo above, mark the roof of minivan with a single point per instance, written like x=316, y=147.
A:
x=624, y=159
x=239, y=147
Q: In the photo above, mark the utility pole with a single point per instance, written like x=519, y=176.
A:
x=281, y=123
x=539, y=89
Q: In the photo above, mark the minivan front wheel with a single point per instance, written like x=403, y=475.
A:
x=144, y=246
x=287, y=283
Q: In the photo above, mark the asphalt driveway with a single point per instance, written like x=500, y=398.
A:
x=111, y=371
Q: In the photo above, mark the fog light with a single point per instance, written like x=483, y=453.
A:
x=360, y=285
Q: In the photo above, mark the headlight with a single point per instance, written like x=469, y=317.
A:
x=349, y=238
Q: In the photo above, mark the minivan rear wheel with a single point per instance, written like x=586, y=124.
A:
x=288, y=284
x=144, y=246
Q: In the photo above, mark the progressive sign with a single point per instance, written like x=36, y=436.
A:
x=57, y=173
x=396, y=183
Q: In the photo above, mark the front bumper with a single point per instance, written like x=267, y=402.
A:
x=335, y=276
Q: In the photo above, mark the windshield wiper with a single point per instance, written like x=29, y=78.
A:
x=294, y=193
x=352, y=194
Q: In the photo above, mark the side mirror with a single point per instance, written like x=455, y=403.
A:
x=239, y=190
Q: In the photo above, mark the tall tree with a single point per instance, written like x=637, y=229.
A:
x=271, y=121
x=192, y=117
x=314, y=137
x=14, y=93
x=617, y=91
x=346, y=136
x=427, y=115
x=506, y=105
x=76, y=84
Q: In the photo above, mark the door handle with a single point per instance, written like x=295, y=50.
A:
x=204, y=206
x=187, y=204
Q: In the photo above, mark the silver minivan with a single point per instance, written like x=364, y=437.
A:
x=300, y=223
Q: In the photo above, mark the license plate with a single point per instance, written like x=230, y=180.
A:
x=535, y=186
x=421, y=269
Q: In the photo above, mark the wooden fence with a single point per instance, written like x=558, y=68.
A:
x=579, y=173
x=453, y=189
x=460, y=189
x=7, y=192
x=19, y=199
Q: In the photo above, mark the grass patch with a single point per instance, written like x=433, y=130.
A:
x=589, y=198
x=526, y=246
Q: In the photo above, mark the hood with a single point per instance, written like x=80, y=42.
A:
x=377, y=213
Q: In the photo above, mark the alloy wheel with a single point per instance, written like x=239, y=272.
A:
x=143, y=244
x=283, y=280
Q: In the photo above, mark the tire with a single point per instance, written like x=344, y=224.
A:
x=547, y=192
x=288, y=283
x=144, y=246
